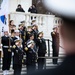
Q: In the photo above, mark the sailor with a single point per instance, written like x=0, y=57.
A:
x=41, y=44
x=18, y=56
x=31, y=57
x=6, y=42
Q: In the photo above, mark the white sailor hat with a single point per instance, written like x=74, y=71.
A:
x=29, y=44
x=64, y=8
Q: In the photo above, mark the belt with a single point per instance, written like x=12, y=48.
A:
x=6, y=46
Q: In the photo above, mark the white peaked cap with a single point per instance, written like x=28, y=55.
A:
x=65, y=8
x=30, y=43
x=17, y=40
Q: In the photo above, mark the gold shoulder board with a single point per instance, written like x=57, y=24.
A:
x=28, y=32
x=14, y=46
x=26, y=49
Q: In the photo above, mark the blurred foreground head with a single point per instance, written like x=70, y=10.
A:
x=66, y=10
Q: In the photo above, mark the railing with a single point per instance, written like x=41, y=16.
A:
x=49, y=47
x=45, y=22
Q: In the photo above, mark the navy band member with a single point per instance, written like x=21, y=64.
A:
x=30, y=57
x=35, y=32
x=11, y=26
x=17, y=58
x=29, y=31
x=23, y=33
x=41, y=44
x=55, y=44
x=13, y=38
x=31, y=37
x=17, y=35
x=6, y=52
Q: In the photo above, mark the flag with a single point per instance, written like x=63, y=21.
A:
x=3, y=19
x=4, y=15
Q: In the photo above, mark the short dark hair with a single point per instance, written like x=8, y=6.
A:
x=19, y=5
x=10, y=22
x=12, y=31
x=31, y=35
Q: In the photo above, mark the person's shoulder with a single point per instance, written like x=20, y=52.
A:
x=17, y=9
x=2, y=36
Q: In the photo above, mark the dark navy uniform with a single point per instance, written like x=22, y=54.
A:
x=35, y=48
x=13, y=40
x=41, y=44
x=6, y=52
x=28, y=34
x=35, y=35
x=20, y=10
x=23, y=37
x=17, y=59
x=55, y=45
x=32, y=10
x=31, y=60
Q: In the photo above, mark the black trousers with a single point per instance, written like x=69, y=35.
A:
x=17, y=69
x=6, y=59
x=31, y=68
x=55, y=54
x=41, y=61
